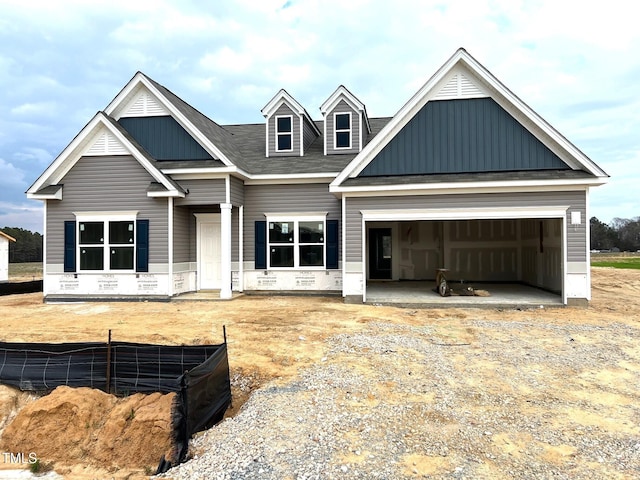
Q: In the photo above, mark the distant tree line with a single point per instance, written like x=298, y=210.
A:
x=26, y=248
x=622, y=234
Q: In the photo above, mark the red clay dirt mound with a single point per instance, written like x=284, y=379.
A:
x=83, y=426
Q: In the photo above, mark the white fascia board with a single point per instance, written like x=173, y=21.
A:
x=123, y=95
x=140, y=79
x=475, y=187
x=209, y=172
x=69, y=155
x=422, y=96
x=521, y=107
x=282, y=96
x=172, y=194
x=341, y=93
x=481, y=213
x=44, y=196
x=399, y=120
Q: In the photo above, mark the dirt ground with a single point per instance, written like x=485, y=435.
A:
x=274, y=337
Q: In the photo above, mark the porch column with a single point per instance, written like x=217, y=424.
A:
x=225, y=250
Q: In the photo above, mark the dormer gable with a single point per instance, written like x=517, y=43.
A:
x=346, y=123
x=289, y=128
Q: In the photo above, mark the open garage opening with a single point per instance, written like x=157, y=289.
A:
x=507, y=259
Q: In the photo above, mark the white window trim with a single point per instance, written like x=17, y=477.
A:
x=336, y=131
x=105, y=217
x=296, y=219
x=278, y=133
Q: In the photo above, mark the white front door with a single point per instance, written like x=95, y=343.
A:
x=208, y=250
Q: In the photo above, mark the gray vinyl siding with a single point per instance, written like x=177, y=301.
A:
x=261, y=199
x=203, y=192
x=237, y=191
x=235, y=221
x=98, y=184
x=343, y=107
x=284, y=110
x=309, y=134
x=576, y=200
x=181, y=241
x=462, y=136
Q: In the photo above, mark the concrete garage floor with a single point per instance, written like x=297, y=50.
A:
x=421, y=295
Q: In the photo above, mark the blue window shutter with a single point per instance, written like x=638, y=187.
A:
x=333, y=240
x=261, y=244
x=69, y=246
x=142, y=245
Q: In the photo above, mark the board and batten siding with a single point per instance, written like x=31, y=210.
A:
x=305, y=198
x=203, y=192
x=462, y=136
x=576, y=200
x=284, y=110
x=343, y=107
x=98, y=184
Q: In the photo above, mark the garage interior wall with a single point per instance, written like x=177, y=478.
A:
x=510, y=250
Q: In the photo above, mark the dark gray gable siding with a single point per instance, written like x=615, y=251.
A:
x=462, y=136
x=97, y=184
x=261, y=199
x=343, y=107
x=284, y=110
x=576, y=200
x=164, y=138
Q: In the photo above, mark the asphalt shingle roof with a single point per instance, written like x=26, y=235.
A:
x=244, y=145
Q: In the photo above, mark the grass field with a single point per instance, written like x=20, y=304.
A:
x=21, y=272
x=616, y=260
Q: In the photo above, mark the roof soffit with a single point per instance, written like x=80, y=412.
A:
x=486, y=85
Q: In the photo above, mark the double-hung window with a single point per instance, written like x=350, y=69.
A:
x=284, y=133
x=296, y=242
x=342, y=130
x=106, y=244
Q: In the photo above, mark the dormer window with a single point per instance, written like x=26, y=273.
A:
x=343, y=130
x=284, y=134
x=346, y=124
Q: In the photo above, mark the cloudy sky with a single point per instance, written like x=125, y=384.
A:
x=576, y=63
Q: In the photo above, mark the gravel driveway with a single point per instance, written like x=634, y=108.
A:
x=489, y=399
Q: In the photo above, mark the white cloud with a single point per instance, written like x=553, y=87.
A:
x=227, y=60
x=10, y=176
x=577, y=67
x=27, y=215
x=41, y=109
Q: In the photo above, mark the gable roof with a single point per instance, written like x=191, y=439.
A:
x=343, y=93
x=7, y=236
x=283, y=96
x=464, y=77
x=47, y=185
x=213, y=138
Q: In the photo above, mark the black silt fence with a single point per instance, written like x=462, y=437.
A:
x=12, y=288
x=198, y=374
